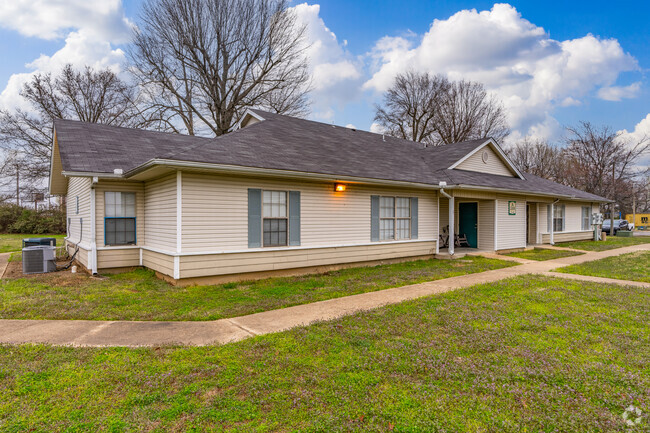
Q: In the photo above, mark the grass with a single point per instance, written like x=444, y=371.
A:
x=542, y=254
x=139, y=295
x=14, y=242
x=633, y=266
x=610, y=244
x=526, y=354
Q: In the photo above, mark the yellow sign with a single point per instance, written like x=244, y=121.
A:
x=642, y=220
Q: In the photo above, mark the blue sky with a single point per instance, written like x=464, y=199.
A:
x=537, y=56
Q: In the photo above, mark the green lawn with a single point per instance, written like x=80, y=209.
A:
x=528, y=354
x=609, y=244
x=633, y=266
x=14, y=242
x=543, y=254
x=139, y=295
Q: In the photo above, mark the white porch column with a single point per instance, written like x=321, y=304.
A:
x=452, y=237
x=496, y=225
x=537, y=230
x=551, y=219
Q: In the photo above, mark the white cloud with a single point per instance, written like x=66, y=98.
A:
x=53, y=19
x=513, y=57
x=91, y=27
x=616, y=93
x=336, y=74
x=641, y=132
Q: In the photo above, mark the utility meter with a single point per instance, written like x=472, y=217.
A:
x=597, y=218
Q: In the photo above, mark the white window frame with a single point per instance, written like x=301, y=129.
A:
x=124, y=217
x=285, y=218
x=395, y=219
x=586, y=217
x=559, y=215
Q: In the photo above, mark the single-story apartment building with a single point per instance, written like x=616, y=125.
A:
x=288, y=195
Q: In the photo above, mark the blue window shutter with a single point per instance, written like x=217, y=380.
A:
x=549, y=219
x=414, y=217
x=294, y=217
x=374, y=218
x=563, y=217
x=254, y=218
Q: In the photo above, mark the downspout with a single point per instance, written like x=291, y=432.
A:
x=93, y=230
x=551, y=229
x=452, y=238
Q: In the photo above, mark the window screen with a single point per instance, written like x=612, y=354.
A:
x=119, y=221
x=274, y=218
x=394, y=218
x=586, y=218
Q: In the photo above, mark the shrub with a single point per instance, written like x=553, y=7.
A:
x=16, y=219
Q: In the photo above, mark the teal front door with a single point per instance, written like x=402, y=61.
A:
x=468, y=222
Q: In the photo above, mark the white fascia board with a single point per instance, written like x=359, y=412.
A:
x=92, y=174
x=49, y=181
x=519, y=192
x=499, y=151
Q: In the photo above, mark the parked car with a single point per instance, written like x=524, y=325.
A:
x=618, y=225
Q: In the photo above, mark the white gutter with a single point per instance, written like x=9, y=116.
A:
x=452, y=238
x=93, y=230
x=91, y=174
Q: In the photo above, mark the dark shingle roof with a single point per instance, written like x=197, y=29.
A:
x=287, y=143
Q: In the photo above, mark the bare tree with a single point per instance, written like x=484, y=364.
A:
x=203, y=62
x=469, y=112
x=433, y=110
x=538, y=157
x=90, y=95
x=410, y=106
x=601, y=161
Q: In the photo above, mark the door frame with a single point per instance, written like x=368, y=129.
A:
x=478, y=219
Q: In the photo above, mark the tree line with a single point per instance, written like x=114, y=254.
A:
x=195, y=66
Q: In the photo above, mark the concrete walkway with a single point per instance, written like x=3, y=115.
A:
x=91, y=333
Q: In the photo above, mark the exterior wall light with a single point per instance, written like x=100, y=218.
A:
x=339, y=187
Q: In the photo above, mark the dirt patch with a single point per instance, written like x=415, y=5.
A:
x=58, y=278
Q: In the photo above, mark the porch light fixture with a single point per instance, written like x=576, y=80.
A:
x=339, y=187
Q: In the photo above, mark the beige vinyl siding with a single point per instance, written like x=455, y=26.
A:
x=444, y=212
x=465, y=193
x=118, y=258
x=162, y=263
x=79, y=187
x=160, y=213
x=567, y=236
x=486, y=225
x=572, y=215
x=494, y=165
x=119, y=186
x=215, y=212
x=82, y=255
x=511, y=229
x=224, y=264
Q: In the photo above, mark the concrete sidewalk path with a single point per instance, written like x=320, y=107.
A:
x=91, y=333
